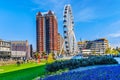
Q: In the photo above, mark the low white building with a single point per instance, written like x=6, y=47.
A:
x=86, y=51
x=5, y=49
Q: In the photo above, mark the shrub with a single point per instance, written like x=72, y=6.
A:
x=76, y=63
x=50, y=58
x=100, y=60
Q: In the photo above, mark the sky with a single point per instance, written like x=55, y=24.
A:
x=93, y=19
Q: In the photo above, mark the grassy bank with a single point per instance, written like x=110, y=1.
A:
x=25, y=71
x=24, y=74
x=14, y=67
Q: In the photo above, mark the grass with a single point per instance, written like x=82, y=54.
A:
x=24, y=74
x=14, y=67
x=26, y=71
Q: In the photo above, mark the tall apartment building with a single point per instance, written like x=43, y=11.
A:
x=47, y=32
x=5, y=49
x=19, y=49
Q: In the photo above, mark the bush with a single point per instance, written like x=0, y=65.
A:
x=76, y=63
x=100, y=60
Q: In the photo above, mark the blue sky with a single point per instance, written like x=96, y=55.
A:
x=93, y=18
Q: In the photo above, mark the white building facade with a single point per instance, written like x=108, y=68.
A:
x=19, y=49
x=5, y=49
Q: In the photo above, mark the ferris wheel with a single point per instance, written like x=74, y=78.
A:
x=68, y=26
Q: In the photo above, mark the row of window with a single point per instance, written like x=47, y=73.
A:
x=4, y=49
x=4, y=44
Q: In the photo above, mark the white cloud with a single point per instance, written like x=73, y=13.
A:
x=50, y=4
x=55, y=5
x=33, y=9
x=115, y=35
x=115, y=24
x=114, y=29
x=85, y=15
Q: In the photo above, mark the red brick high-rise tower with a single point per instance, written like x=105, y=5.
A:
x=47, y=32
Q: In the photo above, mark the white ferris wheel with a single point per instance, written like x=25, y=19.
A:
x=69, y=36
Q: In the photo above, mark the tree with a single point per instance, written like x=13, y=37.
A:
x=37, y=56
x=50, y=58
x=43, y=54
x=118, y=49
x=108, y=51
x=111, y=51
x=115, y=52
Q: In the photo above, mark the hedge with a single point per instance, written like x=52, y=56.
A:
x=76, y=63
